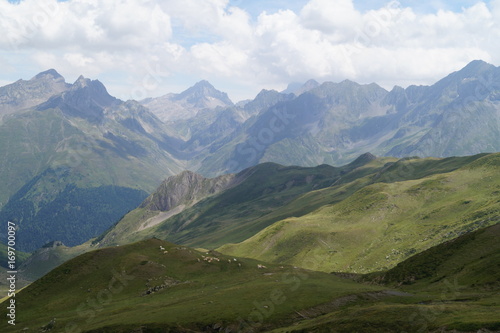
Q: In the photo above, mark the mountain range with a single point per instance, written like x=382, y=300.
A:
x=363, y=217
x=59, y=138
x=350, y=217
x=81, y=155
x=325, y=206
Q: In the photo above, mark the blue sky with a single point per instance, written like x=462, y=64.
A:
x=255, y=7
x=141, y=48
x=419, y=6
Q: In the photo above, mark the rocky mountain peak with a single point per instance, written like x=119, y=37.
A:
x=299, y=88
x=473, y=70
x=188, y=103
x=85, y=99
x=49, y=74
x=471, y=82
x=476, y=67
x=203, y=92
x=265, y=92
x=81, y=82
x=265, y=99
x=95, y=87
x=310, y=84
x=25, y=94
x=348, y=83
x=203, y=84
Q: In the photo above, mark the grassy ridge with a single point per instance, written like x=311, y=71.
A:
x=230, y=214
x=452, y=287
x=381, y=224
x=156, y=286
x=284, y=197
x=107, y=290
x=472, y=259
x=270, y=193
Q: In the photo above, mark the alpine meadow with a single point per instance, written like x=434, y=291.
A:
x=346, y=177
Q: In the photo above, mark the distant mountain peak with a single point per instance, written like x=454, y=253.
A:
x=299, y=88
x=95, y=86
x=86, y=99
x=476, y=67
x=81, y=82
x=28, y=93
x=265, y=99
x=479, y=64
x=49, y=73
x=311, y=83
x=202, y=87
x=266, y=92
x=203, y=84
x=348, y=83
x=468, y=74
x=202, y=92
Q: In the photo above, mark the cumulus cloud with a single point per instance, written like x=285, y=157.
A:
x=94, y=24
x=153, y=41
x=335, y=18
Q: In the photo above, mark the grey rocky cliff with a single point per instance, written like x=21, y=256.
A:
x=186, y=188
x=85, y=99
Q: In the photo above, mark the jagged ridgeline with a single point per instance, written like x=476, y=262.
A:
x=54, y=135
x=74, y=159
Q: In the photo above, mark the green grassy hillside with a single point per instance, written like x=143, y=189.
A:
x=48, y=257
x=156, y=286
x=472, y=259
x=276, y=194
x=159, y=286
x=32, y=266
x=383, y=223
x=452, y=287
x=232, y=214
x=270, y=193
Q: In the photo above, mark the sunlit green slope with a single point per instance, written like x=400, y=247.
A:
x=383, y=223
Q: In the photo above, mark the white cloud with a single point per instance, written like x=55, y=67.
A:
x=152, y=41
x=96, y=24
x=333, y=17
x=210, y=17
